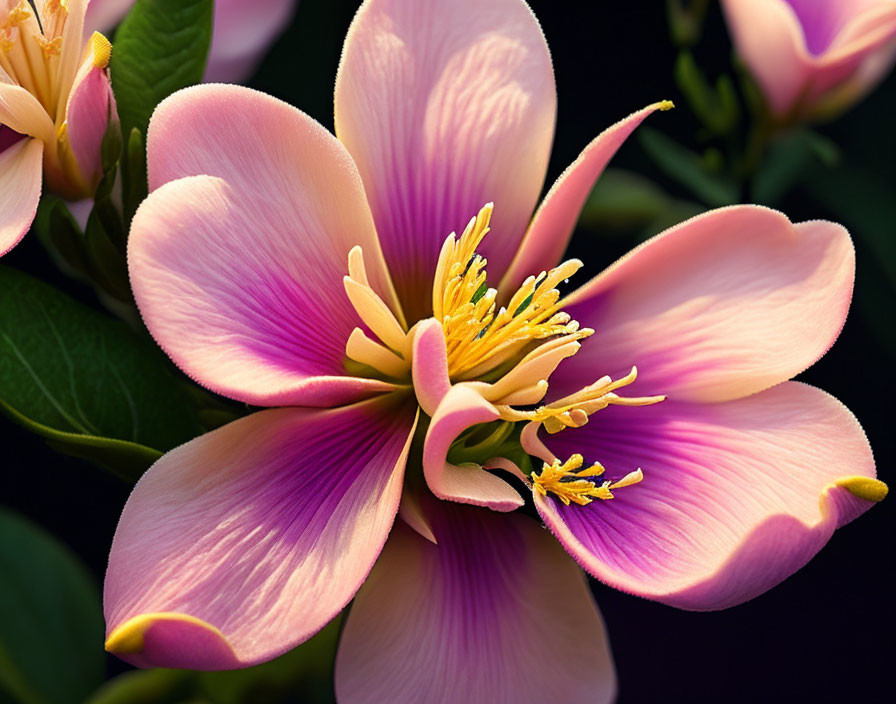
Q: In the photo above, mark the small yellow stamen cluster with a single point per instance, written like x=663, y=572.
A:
x=49, y=47
x=571, y=486
x=478, y=335
x=16, y=16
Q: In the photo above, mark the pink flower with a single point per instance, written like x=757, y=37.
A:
x=243, y=31
x=814, y=58
x=392, y=387
x=55, y=106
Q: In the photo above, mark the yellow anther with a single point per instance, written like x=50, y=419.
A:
x=54, y=6
x=101, y=49
x=478, y=335
x=17, y=15
x=571, y=486
x=6, y=44
x=49, y=47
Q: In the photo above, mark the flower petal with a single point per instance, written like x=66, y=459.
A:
x=494, y=613
x=104, y=15
x=240, y=299
x=243, y=32
x=276, y=156
x=249, y=539
x=446, y=106
x=90, y=107
x=21, y=168
x=724, y=305
x=21, y=112
x=460, y=409
x=736, y=496
x=240, y=278
x=558, y=213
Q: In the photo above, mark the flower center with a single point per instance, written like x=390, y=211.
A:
x=513, y=349
x=479, y=336
x=31, y=48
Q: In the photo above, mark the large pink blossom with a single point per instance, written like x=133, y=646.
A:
x=284, y=267
x=814, y=58
x=55, y=107
x=243, y=31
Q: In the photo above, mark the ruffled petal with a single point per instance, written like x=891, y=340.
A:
x=446, y=106
x=21, y=168
x=735, y=498
x=494, y=613
x=453, y=409
x=244, y=542
x=724, y=305
x=556, y=217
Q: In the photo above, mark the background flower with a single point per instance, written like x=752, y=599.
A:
x=814, y=58
x=243, y=31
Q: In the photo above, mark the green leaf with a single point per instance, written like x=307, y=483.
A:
x=51, y=623
x=85, y=381
x=717, y=107
x=622, y=199
x=59, y=233
x=159, y=686
x=134, y=184
x=688, y=169
x=161, y=47
x=788, y=161
x=305, y=670
x=624, y=203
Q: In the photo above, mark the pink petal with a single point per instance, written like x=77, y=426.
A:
x=240, y=298
x=736, y=496
x=719, y=307
x=494, y=613
x=558, y=213
x=249, y=539
x=90, y=107
x=430, y=365
x=21, y=168
x=243, y=33
x=239, y=278
x=446, y=106
x=460, y=409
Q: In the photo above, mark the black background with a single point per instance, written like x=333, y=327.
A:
x=825, y=633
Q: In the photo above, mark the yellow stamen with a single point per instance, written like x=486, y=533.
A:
x=478, y=335
x=391, y=355
x=573, y=411
x=570, y=486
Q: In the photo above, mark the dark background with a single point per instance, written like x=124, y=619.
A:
x=825, y=633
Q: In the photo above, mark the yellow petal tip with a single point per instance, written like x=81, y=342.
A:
x=101, y=49
x=864, y=487
x=128, y=638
